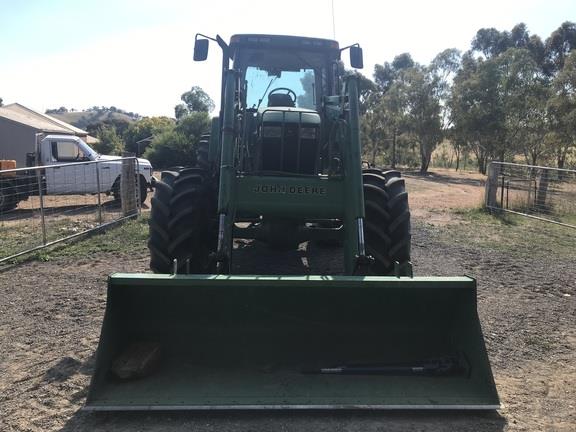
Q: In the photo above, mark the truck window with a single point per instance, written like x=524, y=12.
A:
x=66, y=151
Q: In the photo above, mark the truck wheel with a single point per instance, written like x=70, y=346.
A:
x=8, y=200
x=143, y=190
x=387, y=223
x=183, y=223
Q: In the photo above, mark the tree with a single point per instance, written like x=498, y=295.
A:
x=306, y=100
x=177, y=145
x=383, y=108
x=1, y=104
x=119, y=124
x=562, y=110
x=61, y=110
x=180, y=111
x=422, y=111
x=476, y=109
x=195, y=100
x=558, y=46
x=109, y=141
x=145, y=128
x=443, y=69
x=523, y=94
x=491, y=42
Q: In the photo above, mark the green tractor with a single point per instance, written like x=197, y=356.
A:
x=282, y=165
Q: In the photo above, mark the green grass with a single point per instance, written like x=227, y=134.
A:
x=540, y=342
x=514, y=234
x=128, y=237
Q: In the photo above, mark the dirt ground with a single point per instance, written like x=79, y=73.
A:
x=51, y=313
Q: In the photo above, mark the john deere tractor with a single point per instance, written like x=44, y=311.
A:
x=283, y=158
x=282, y=165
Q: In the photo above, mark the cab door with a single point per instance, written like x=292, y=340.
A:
x=68, y=176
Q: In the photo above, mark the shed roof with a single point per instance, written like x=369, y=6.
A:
x=42, y=122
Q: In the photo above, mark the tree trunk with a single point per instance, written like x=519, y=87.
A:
x=425, y=157
x=492, y=186
x=457, y=151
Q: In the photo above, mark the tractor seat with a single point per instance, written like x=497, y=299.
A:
x=280, y=100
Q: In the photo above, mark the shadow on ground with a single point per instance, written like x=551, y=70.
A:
x=445, y=179
x=317, y=421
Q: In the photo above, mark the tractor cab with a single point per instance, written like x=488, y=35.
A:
x=283, y=81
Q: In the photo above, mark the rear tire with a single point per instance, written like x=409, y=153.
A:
x=183, y=223
x=387, y=224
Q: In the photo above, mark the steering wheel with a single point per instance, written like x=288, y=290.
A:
x=288, y=91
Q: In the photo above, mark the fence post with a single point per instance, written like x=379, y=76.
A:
x=492, y=185
x=138, y=197
x=40, y=191
x=542, y=190
x=97, y=165
x=128, y=184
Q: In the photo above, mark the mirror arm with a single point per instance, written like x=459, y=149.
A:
x=350, y=46
x=204, y=36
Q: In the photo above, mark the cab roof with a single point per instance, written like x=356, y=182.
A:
x=280, y=41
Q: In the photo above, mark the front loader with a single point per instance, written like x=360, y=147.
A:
x=282, y=165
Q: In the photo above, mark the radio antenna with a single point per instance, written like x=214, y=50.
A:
x=333, y=22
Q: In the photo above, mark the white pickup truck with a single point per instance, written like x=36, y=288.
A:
x=67, y=172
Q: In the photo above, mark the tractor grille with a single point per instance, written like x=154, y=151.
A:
x=289, y=148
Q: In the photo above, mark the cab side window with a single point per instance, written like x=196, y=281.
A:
x=66, y=151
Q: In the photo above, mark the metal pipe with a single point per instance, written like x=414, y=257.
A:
x=282, y=137
x=535, y=217
x=502, y=192
x=299, y=142
x=361, y=242
x=533, y=166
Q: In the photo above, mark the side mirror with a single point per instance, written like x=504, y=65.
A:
x=200, y=49
x=356, y=57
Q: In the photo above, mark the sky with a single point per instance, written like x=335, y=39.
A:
x=137, y=54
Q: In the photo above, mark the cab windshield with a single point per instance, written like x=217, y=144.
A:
x=287, y=87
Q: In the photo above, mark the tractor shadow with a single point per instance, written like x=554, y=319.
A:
x=290, y=420
x=254, y=257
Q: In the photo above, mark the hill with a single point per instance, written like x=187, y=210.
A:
x=83, y=119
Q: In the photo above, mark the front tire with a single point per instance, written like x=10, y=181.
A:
x=183, y=222
x=387, y=223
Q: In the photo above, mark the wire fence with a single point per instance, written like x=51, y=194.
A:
x=543, y=193
x=41, y=206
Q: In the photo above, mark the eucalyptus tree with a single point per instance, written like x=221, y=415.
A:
x=562, y=110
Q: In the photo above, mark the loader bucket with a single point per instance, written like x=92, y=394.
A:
x=309, y=342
